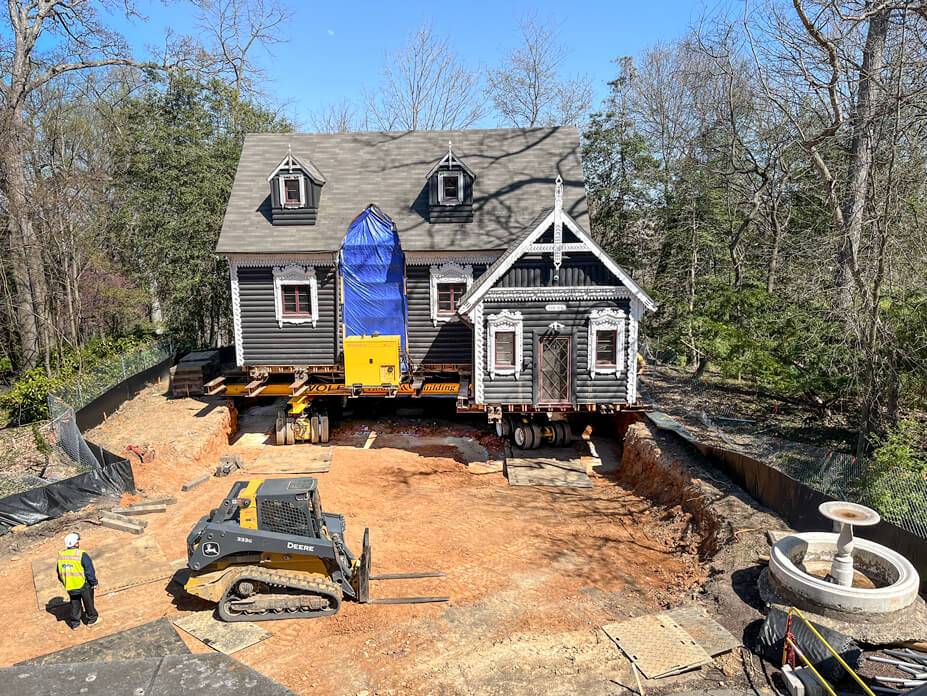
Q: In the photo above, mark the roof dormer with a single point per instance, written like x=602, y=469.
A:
x=450, y=190
x=295, y=190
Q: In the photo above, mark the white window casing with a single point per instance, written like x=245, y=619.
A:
x=504, y=321
x=295, y=274
x=606, y=320
x=302, y=190
x=450, y=201
x=447, y=273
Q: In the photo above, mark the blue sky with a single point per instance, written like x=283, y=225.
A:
x=340, y=47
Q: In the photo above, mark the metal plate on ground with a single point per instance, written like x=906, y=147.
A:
x=220, y=635
x=712, y=636
x=119, y=565
x=153, y=639
x=657, y=645
x=547, y=467
x=302, y=458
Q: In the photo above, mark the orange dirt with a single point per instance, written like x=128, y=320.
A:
x=532, y=572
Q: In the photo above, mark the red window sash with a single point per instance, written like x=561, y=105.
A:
x=296, y=293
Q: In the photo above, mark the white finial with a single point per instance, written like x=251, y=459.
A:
x=558, y=193
x=450, y=154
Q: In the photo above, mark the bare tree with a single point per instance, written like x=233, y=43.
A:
x=426, y=86
x=236, y=27
x=335, y=118
x=81, y=42
x=527, y=89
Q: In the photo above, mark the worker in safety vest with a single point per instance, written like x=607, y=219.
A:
x=76, y=573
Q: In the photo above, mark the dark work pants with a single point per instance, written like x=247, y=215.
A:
x=85, y=598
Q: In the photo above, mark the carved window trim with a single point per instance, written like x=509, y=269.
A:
x=442, y=198
x=501, y=322
x=447, y=273
x=606, y=320
x=295, y=274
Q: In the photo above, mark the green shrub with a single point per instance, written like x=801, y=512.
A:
x=27, y=399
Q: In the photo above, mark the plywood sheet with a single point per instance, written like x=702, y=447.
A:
x=547, y=467
x=153, y=639
x=712, y=636
x=119, y=565
x=294, y=459
x=219, y=635
x=657, y=645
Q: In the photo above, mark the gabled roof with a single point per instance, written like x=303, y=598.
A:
x=521, y=245
x=450, y=160
x=290, y=163
x=514, y=168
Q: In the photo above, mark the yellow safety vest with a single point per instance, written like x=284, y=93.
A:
x=70, y=569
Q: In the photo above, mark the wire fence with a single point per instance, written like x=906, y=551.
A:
x=102, y=377
x=900, y=497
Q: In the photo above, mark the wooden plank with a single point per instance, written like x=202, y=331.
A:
x=214, y=382
x=118, y=565
x=298, y=384
x=195, y=482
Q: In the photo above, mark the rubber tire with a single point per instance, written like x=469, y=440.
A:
x=280, y=428
x=538, y=436
x=314, y=429
x=504, y=427
x=566, y=435
x=324, y=431
x=522, y=433
x=290, y=434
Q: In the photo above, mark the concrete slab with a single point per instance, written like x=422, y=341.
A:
x=119, y=565
x=219, y=635
x=303, y=458
x=547, y=467
x=153, y=639
x=173, y=675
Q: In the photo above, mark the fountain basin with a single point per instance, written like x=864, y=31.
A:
x=895, y=579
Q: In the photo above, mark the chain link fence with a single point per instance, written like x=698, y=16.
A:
x=104, y=376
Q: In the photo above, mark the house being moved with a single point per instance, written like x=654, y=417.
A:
x=427, y=263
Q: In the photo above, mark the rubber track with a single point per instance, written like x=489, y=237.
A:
x=312, y=584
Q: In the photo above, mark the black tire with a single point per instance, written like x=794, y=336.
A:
x=562, y=431
x=504, y=427
x=538, y=438
x=520, y=436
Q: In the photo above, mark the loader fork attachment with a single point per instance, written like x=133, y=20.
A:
x=364, y=578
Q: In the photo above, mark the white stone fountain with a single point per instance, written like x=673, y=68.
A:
x=844, y=515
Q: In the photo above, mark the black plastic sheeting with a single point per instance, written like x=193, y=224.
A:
x=55, y=499
x=771, y=639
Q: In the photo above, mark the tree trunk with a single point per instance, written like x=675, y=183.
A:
x=860, y=164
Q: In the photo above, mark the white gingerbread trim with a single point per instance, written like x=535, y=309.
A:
x=427, y=258
x=296, y=274
x=236, y=313
x=566, y=292
x=637, y=311
x=478, y=330
x=324, y=258
x=504, y=321
x=447, y=273
x=606, y=320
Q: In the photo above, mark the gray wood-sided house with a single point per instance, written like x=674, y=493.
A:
x=507, y=292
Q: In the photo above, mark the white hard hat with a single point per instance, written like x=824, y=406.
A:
x=71, y=540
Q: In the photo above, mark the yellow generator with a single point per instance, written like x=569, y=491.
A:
x=371, y=361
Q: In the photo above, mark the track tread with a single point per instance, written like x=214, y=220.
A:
x=312, y=584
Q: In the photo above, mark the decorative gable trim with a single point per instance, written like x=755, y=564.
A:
x=450, y=160
x=504, y=321
x=556, y=217
x=295, y=275
x=447, y=273
x=606, y=320
x=291, y=165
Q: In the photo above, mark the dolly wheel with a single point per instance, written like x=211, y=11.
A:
x=290, y=434
x=323, y=429
x=538, y=433
x=314, y=429
x=521, y=435
x=280, y=428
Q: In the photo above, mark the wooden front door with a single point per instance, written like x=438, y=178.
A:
x=554, y=369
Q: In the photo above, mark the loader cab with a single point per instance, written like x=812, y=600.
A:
x=289, y=506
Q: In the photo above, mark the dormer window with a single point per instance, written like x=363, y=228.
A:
x=295, y=190
x=450, y=187
x=292, y=190
x=450, y=190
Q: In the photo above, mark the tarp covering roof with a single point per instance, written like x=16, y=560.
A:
x=373, y=270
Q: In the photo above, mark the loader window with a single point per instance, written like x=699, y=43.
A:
x=285, y=517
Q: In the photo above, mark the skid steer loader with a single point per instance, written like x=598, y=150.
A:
x=270, y=552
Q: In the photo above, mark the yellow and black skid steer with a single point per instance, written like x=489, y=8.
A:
x=270, y=552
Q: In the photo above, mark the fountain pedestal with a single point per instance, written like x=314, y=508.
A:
x=844, y=516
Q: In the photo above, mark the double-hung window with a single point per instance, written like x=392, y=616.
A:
x=449, y=295
x=296, y=300
x=606, y=348
x=505, y=350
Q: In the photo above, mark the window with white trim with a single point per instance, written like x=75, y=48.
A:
x=450, y=188
x=449, y=283
x=504, y=340
x=292, y=191
x=296, y=295
x=606, y=342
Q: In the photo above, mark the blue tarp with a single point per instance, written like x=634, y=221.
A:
x=373, y=270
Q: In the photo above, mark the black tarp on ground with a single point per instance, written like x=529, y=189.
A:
x=71, y=494
x=173, y=675
x=153, y=639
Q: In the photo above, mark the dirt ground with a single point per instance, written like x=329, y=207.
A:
x=532, y=573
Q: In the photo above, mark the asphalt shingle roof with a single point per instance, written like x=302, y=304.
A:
x=515, y=172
